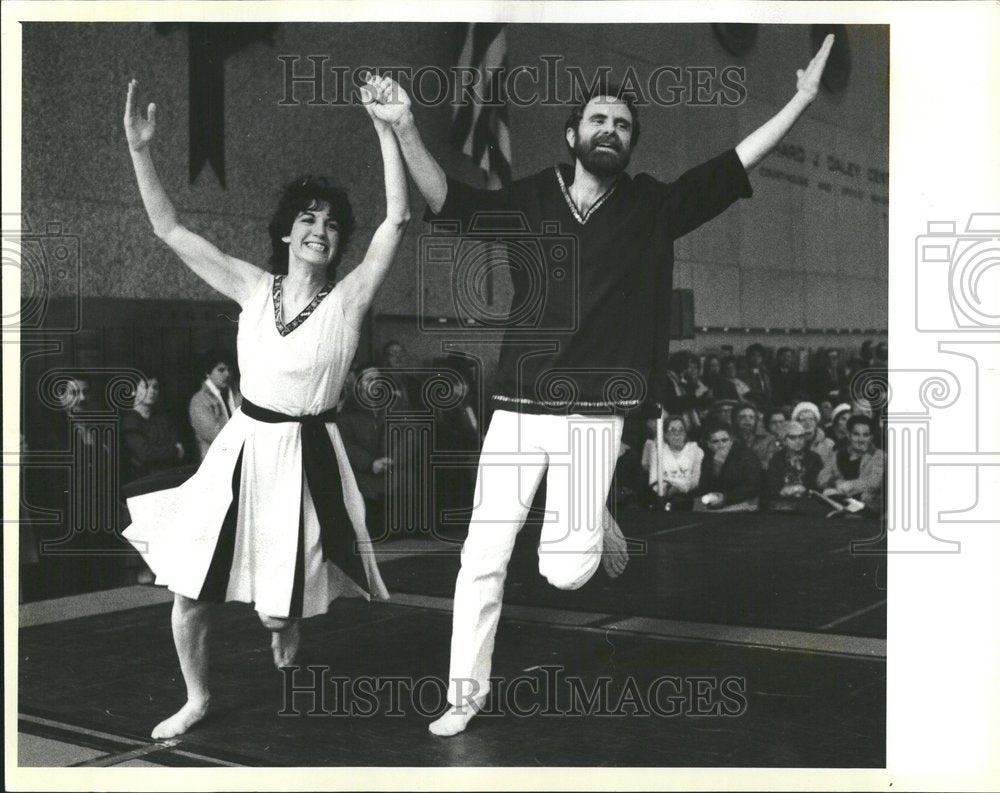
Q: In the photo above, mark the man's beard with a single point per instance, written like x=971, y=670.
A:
x=602, y=162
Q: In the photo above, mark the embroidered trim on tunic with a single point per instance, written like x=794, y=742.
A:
x=285, y=329
x=572, y=207
x=567, y=402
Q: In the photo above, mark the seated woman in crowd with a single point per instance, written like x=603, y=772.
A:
x=793, y=471
x=674, y=466
x=856, y=471
x=836, y=430
x=149, y=445
x=730, y=475
x=808, y=415
x=777, y=426
x=150, y=441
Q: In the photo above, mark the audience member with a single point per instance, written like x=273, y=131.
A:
x=630, y=478
x=786, y=387
x=673, y=467
x=685, y=393
x=793, y=471
x=777, y=424
x=857, y=471
x=836, y=430
x=825, y=412
x=214, y=403
x=457, y=426
x=750, y=433
x=52, y=430
x=721, y=412
x=807, y=414
x=730, y=474
x=860, y=406
x=867, y=355
x=362, y=429
x=828, y=381
x=347, y=389
x=718, y=386
x=737, y=388
x=394, y=361
x=864, y=360
x=27, y=545
x=149, y=440
x=758, y=379
x=73, y=551
x=882, y=355
x=457, y=430
x=394, y=355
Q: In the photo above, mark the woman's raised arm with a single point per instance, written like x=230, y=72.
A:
x=231, y=276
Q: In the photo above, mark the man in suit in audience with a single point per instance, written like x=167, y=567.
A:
x=828, y=379
x=750, y=433
x=731, y=475
x=758, y=379
x=785, y=385
x=215, y=402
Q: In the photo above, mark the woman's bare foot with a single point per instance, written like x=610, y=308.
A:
x=285, y=645
x=182, y=720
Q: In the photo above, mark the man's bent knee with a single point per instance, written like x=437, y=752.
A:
x=568, y=571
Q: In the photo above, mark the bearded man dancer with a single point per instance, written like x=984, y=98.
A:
x=624, y=229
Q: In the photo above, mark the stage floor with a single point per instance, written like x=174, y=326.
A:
x=778, y=618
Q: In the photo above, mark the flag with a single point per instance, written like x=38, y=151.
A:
x=209, y=45
x=479, y=121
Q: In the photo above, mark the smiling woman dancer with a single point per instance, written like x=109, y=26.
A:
x=273, y=516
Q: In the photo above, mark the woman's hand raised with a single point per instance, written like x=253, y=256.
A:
x=139, y=131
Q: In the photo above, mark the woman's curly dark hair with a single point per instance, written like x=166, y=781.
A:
x=301, y=195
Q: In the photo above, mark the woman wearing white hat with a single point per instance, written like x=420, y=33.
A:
x=807, y=414
x=836, y=430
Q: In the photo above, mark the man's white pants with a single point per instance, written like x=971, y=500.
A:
x=579, y=453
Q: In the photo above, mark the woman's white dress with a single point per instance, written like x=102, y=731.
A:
x=178, y=531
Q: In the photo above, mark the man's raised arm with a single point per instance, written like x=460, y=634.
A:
x=758, y=144
x=394, y=108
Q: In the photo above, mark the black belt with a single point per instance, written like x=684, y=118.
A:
x=322, y=473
